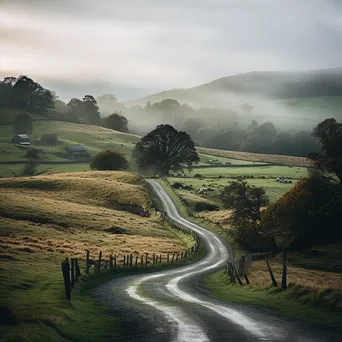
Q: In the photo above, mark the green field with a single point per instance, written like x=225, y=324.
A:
x=93, y=138
x=257, y=171
x=273, y=189
x=206, y=158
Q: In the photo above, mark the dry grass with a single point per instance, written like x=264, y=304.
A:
x=257, y=157
x=70, y=213
x=109, y=189
x=218, y=216
x=319, y=280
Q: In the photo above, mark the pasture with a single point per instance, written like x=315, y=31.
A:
x=47, y=218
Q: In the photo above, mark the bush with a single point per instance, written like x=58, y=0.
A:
x=109, y=160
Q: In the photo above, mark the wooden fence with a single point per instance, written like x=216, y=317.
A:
x=71, y=269
x=236, y=270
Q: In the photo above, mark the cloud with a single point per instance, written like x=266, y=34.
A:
x=156, y=45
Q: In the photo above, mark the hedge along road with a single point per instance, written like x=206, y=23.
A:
x=165, y=306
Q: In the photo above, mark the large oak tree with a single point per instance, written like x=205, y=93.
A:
x=165, y=149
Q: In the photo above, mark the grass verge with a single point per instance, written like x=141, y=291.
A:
x=296, y=301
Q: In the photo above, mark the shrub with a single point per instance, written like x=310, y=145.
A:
x=109, y=160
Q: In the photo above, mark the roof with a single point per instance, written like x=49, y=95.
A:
x=23, y=136
x=77, y=149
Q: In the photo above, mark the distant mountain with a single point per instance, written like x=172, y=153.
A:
x=263, y=85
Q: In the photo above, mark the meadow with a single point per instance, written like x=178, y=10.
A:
x=47, y=218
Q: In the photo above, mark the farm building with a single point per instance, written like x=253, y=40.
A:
x=22, y=139
x=78, y=152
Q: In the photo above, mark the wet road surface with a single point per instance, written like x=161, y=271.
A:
x=165, y=306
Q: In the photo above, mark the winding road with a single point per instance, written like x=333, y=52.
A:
x=165, y=306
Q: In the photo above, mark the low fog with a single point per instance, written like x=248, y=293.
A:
x=242, y=75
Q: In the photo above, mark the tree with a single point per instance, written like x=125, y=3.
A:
x=304, y=143
x=307, y=214
x=87, y=109
x=192, y=125
x=29, y=168
x=283, y=144
x=165, y=149
x=6, y=86
x=31, y=96
x=91, y=109
x=246, y=202
x=109, y=160
x=329, y=160
x=117, y=122
x=22, y=124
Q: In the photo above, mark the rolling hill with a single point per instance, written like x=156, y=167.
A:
x=259, y=85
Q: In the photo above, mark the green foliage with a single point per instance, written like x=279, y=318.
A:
x=329, y=160
x=246, y=202
x=24, y=93
x=22, y=124
x=165, y=149
x=307, y=214
x=117, y=122
x=109, y=160
x=86, y=110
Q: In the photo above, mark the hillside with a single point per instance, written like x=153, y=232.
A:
x=45, y=219
x=93, y=138
x=255, y=86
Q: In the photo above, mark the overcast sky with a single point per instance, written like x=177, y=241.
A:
x=134, y=48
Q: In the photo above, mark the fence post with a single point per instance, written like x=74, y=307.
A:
x=124, y=260
x=115, y=260
x=131, y=260
x=146, y=259
x=284, y=274
x=160, y=259
x=173, y=257
x=237, y=276
x=111, y=261
x=99, y=262
x=72, y=268
x=274, y=282
x=66, y=277
x=76, y=270
x=87, y=262
x=154, y=258
x=177, y=256
x=247, y=280
x=136, y=261
x=141, y=260
x=242, y=263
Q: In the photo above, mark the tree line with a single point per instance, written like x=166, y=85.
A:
x=208, y=127
x=23, y=93
x=308, y=214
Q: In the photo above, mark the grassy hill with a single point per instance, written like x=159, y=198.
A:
x=257, y=85
x=47, y=218
x=93, y=138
